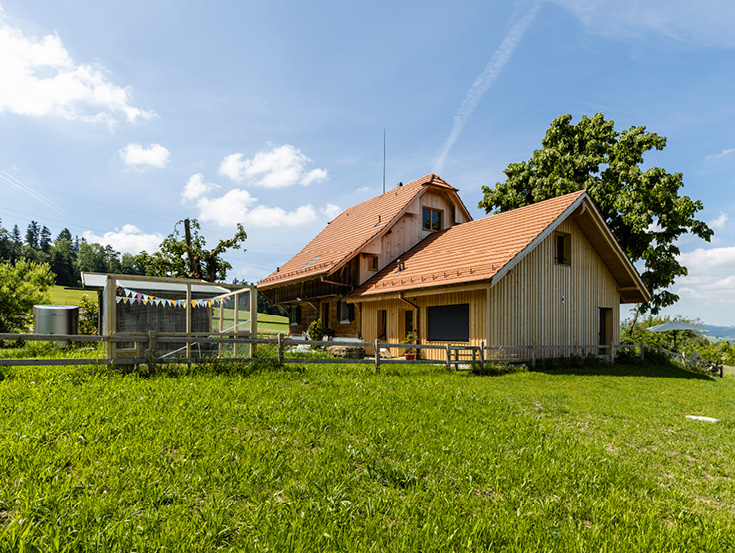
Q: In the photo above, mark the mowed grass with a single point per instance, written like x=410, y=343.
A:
x=336, y=458
x=61, y=296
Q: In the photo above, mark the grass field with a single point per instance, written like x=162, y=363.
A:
x=336, y=458
x=61, y=296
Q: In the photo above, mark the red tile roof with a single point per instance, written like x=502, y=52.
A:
x=345, y=235
x=470, y=252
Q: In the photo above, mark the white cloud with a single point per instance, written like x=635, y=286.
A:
x=196, y=188
x=723, y=153
x=331, y=211
x=136, y=155
x=274, y=167
x=238, y=206
x=718, y=223
x=128, y=240
x=711, y=261
x=705, y=22
x=711, y=279
x=41, y=79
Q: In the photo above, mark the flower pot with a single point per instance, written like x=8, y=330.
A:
x=410, y=356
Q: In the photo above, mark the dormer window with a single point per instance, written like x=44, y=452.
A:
x=372, y=262
x=562, y=248
x=432, y=219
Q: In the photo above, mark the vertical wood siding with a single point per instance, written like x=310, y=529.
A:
x=526, y=305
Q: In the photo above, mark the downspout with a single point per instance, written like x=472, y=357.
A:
x=418, y=313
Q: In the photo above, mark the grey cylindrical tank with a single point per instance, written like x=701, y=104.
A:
x=55, y=319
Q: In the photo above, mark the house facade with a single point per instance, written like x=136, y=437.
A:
x=549, y=273
x=355, y=246
x=546, y=274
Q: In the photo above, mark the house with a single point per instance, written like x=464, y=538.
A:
x=549, y=273
x=353, y=247
x=413, y=260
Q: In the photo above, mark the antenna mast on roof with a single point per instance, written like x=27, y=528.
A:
x=383, y=160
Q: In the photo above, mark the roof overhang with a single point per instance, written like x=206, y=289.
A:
x=97, y=281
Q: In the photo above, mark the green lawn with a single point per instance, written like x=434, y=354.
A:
x=336, y=458
x=61, y=296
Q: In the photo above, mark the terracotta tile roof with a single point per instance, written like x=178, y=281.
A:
x=345, y=235
x=470, y=252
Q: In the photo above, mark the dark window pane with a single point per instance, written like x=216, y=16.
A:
x=427, y=218
x=436, y=220
x=449, y=322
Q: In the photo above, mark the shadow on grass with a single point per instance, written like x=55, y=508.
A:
x=650, y=370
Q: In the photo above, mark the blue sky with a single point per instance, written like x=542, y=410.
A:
x=120, y=119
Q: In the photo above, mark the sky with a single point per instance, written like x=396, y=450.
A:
x=121, y=118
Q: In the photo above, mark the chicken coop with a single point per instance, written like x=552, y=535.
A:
x=171, y=308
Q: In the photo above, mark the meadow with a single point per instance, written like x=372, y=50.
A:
x=337, y=458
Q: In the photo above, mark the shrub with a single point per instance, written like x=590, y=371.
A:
x=22, y=285
x=88, y=315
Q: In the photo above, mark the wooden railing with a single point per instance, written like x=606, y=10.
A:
x=458, y=357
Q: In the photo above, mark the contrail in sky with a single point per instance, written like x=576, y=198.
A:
x=525, y=14
x=10, y=180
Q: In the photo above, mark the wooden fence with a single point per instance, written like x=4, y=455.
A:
x=459, y=357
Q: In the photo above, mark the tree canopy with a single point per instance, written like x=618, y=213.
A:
x=22, y=285
x=185, y=255
x=642, y=206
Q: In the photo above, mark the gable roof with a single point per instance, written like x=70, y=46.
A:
x=351, y=230
x=486, y=249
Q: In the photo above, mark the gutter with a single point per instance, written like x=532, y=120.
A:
x=338, y=284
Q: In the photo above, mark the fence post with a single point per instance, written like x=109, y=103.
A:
x=684, y=357
x=377, y=355
x=279, y=343
x=612, y=353
x=482, y=355
x=449, y=357
x=533, y=354
x=151, y=353
x=660, y=350
x=643, y=352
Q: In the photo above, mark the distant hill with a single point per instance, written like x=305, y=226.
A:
x=720, y=332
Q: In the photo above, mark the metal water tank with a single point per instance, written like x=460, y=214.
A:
x=55, y=319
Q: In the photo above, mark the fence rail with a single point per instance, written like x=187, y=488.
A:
x=457, y=356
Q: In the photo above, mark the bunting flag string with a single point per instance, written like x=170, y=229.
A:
x=133, y=297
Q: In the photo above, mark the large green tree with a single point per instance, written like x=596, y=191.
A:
x=642, y=206
x=22, y=285
x=183, y=254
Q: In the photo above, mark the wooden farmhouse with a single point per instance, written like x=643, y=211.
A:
x=354, y=247
x=549, y=273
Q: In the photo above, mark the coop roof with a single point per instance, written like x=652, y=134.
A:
x=97, y=281
x=353, y=229
x=486, y=249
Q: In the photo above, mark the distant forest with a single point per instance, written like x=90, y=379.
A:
x=67, y=255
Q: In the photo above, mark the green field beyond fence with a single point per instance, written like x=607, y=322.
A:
x=337, y=458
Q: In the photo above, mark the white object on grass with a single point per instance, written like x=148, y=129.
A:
x=698, y=418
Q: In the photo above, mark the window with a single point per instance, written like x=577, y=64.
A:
x=562, y=248
x=432, y=219
x=345, y=312
x=449, y=322
x=294, y=315
x=372, y=262
x=382, y=324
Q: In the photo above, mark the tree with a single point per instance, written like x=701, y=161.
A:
x=91, y=258
x=186, y=257
x=33, y=234
x=22, y=285
x=642, y=207
x=44, y=241
x=62, y=263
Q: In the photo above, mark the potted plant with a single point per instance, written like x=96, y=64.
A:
x=410, y=352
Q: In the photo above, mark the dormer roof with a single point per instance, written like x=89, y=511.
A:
x=348, y=233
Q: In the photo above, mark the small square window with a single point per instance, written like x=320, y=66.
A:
x=372, y=262
x=431, y=219
x=345, y=312
x=563, y=248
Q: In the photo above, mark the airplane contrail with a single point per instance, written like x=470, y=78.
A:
x=10, y=180
x=524, y=15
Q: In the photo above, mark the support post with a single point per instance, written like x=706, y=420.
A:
x=221, y=324
x=612, y=353
x=152, y=346
x=253, y=318
x=449, y=357
x=377, y=355
x=236, y=306
x=643, y=351
x=576, y=349
x=279, y=342
x=533, y=355
x=110, y=316
x=188, y=319
x=482, y=355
